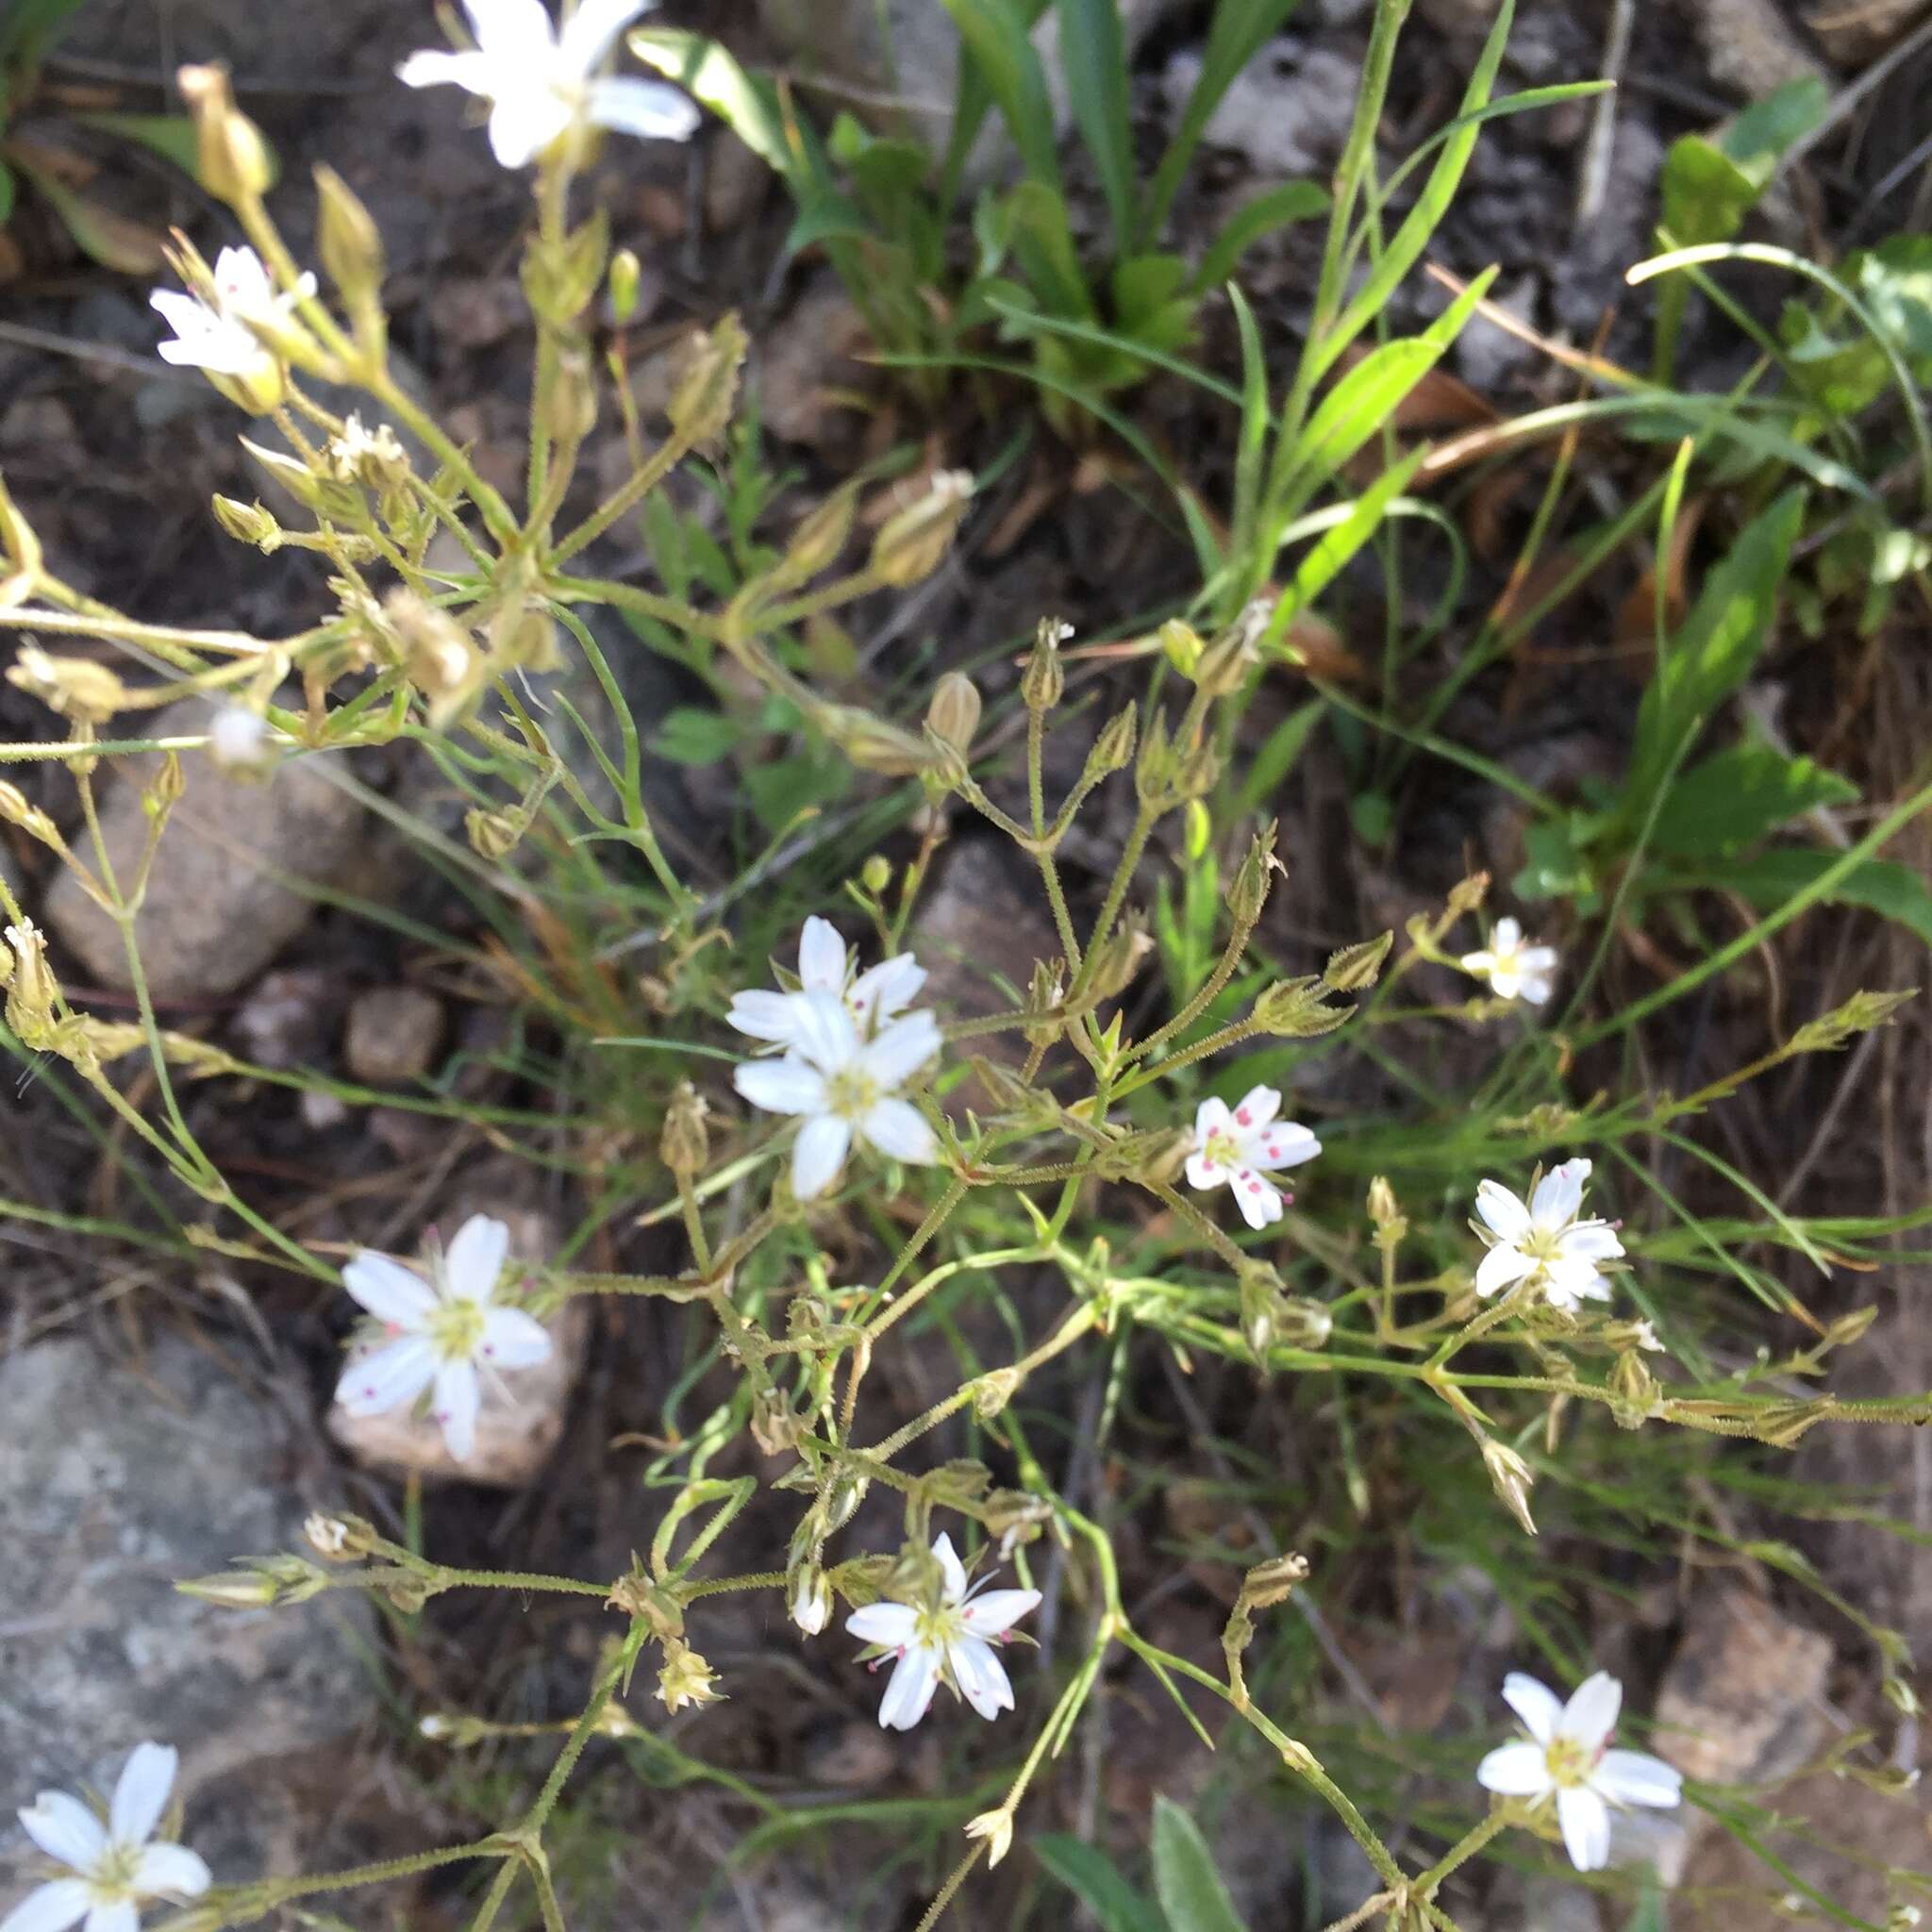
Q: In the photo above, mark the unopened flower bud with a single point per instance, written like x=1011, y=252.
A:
x=76, y=687
x=1249, y=893
x=1263, y=1306
x=876, y=874
x=1385, y=1213
x=953, y=715
x=1357, y=967
x=1113, y=750
x=686, y=1677
x=996, y=1828
x=572, y=410
x=1634, y=1389
x=348, y=242
x=1044, y=680
x=873, y=743
x=624, y=283
x=163, y=792
x=494, y=835
x=1297, y=1010
x=819, y=538
x=1154, y=762
x=811, y=1600
x=327, y=495
x=685, y=1144
x=1222, y=666
x=234, y=1589
x=1119, y=959
x=1198, y=772
x=992, y=1390
x=248, y=523
x=232, y=158
x=329, y=1538
x=1182, y=647
x=1511, y=1477
x=912, y=544
x=702, y=403
x=16, y=811
x=31, y=989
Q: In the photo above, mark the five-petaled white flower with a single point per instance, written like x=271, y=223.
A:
x=1242, y=1145
x=950, y=1639
x=879, y=993
x=442, y=1331
x=540, y=82
x=114, y=1865
x=1567, y=1753
x=1545, y=1244
x=1515, y=969
x=215, y=334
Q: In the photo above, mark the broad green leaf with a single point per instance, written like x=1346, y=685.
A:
x=1714, y=652
x=170, y=136
x=1293, y=201
x=9, y=190
x=1093, y=62
x=1096, y=1881
x=1044, y=252
x=1368, y=394
x=997, y=42
x=1236, y=33
x=1190, y=1890
x=690, y=736
x=112, y=239
x=1760, y=138
x=1406, y=245
x=1706, y=194
x=1733, y=798
x=1881, y=885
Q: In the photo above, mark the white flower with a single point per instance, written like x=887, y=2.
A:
x=825, y=966
x=443, y=1330
x=1546, y=1242
x=115, y=1867
x=1514, y=969
x=844, y=1083
x=1241, y=1146
x=1566, y=1753
x=951, y=1639
x=237, y=738
x=811, y=1602
x=215, y=335
x=540, y=83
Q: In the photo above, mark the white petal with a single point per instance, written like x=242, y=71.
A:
x=1635, y=1777
x=1257, y=1196
x=783, y=1086
x=242, y=280
x=1585, y=1822
x=1571, y=1278
x=996, y=1611
x=389, y=1290
x=898, y=1128
x=1287, y=1144
x=140, y=1793
x=901, y=1047
x=524, y=122
x=1590, y=1715
x=890, y=1624
x=952, y=1572
x=474, y=1259
x=434, y=67
x=1537, y=988
x=393, y=1374
x=1256, y=1107
x=1535, y=1703
x=1204, y=1173
x=1502, y=1267
x=172, y=1869
x=817, y=1154
x=518, y=30
x=765, y=1015
x=649, y=110
x=826, y=1037
x=457, y=1397
x=1558, y=1195
x=1502, y=1212
x=512, y=1340
x=980, y=1675
x=822, y=957
x=908, y=1696
x=65, y=1829
x=1591, y=1241
x=123, y=1915
x=591, y=32
x=1507, y=935
x=1515, y=1771
x=1479, y=965
x=48, y=1908
x=887, y=989
x=186, y=315
x=1210, y=1117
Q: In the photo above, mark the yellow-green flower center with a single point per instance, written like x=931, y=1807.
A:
x=456, y=1330
x=111, y=1879
x=939, y=1625
x=852, y=1093
x=1568, y=1763
x=1223, y=1149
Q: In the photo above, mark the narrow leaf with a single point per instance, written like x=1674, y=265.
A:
x=1095, y=1881
x=1189, y=1889
x=1293, y=201
x=997, y=42
x=1093, y=59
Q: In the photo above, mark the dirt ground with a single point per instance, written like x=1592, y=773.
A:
x=117, y=457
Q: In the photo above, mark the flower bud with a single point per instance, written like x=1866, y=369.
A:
x=1354, y=967
x=1222, y=666
x=163, y=793
x=327, y=495
x=231, y=158
x=1198, y=772
x=32, y=988
x=953, y=715
x=1182, y=647
x=1385, y=1213
x=234, y=1589
x=1113, y=750
x=76, y=687
x=349, y=244
x=873, y=744
x=624, y=283
x=439, y=659
x=337, y=1538
x=1153, y=765
x=818, y=540
x=992, y=1390
x=1249, y=893
x=1118, y=960
x=686, y=1677
x=1634, y=1389
x=494, y=835
x=1295, y=1010
x=1511, y=1477
x=1263, y=1305
x=1046, y=677
x=686, y=1144
x=912, y=544
x=702, y=403
x=996, y=1828
x=248, y=523
x=809, y=1600
x=876, y=874
x=16, y=811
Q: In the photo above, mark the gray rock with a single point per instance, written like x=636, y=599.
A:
x=393, y=1035
x=899, y=59
x=215, y=911
x=1486, y=355
x=1287, y=112
x=114, y=1483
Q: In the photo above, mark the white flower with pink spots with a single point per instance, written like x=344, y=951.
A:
x=1238, y=1147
